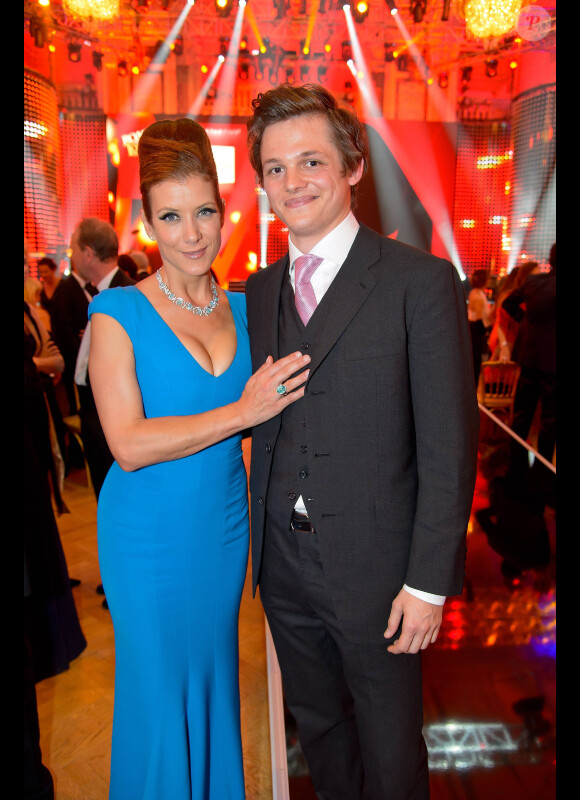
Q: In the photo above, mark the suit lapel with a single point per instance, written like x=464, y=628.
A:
x=349, y=290
x=271, y=287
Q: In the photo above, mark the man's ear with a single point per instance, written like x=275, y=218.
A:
x=357, y=173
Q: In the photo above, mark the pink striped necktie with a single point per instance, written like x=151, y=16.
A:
x=304, y=268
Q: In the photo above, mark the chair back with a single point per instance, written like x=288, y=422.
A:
x=497, y=386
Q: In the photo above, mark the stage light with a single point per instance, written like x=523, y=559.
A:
x=74, y=52
x=224, y=45
x=491, y=67
x=97, y=60
x=360, y=11
x=465, y=77
x=280, y=6
x=243, y=72
x=392, y=6
x=244, y=44
x=177, y=46
x=513, y=64
x=289, y=74
x=402, y=63
x=443, y=80
x=304, y=72
x=224, y=7
x=322, y=74
x=304, y=48
x=389, y=53
x=135, y=69
x=122, y=68
x=37, y=31
x=346, y=51
x=418, y=8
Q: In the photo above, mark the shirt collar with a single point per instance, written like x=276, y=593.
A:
x=334, y=246
x=104, y=282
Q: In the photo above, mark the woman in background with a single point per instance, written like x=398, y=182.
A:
x=479, y=314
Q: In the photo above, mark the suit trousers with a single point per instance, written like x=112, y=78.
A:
x=97, y=451
x=358, y=708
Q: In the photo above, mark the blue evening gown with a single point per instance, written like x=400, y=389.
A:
x=173, y=547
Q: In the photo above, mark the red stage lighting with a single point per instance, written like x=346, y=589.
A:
x=360, y=11
x=74, y=52
x=491, y=67
x=224, y=7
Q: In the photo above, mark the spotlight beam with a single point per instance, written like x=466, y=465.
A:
x=432, y=198
x=229, y=74
x=313, y=13
x=254, y=27
x=197, y=104
x=139, y=98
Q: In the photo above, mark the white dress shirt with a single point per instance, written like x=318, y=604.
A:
x=333, y=249
x=82, y=364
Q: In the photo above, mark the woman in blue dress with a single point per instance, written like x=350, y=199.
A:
x=170, y=370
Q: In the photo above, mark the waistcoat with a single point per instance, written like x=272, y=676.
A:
x=293, y=457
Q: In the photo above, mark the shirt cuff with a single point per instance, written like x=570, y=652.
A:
x=435, y=599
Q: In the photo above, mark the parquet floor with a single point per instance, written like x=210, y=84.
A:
x=75, y=708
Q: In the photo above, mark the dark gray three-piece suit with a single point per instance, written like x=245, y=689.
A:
x=382, y=449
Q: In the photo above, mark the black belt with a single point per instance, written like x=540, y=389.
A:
x=300, y=522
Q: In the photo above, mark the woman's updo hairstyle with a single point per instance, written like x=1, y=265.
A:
x=175, y=150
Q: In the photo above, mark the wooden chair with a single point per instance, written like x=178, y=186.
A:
x=498, y=382
x=73, y=425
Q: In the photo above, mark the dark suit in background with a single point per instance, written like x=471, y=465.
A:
x=68, y=317
x=383, y=450
x=97, y=451
x=534, y=306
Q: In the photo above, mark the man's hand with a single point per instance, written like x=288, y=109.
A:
x=421, y=623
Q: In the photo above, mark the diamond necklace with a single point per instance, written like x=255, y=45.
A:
x=187, y=306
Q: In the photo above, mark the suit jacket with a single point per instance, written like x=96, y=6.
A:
x=391, y=388
x=68, y=317
x=535, y=344
x=97, y=450
x=120, y=278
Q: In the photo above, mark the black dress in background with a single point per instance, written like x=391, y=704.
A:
x=51, y=623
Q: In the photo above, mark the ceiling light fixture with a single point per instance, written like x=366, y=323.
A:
x=360, y=11
x=92, y=9
x=74, y=52
x=486, y=19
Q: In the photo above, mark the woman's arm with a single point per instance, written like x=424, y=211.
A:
x=48, y=359
x=136, y=441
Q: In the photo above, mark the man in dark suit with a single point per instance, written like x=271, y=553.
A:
x=95, y=248
x=362, y=490
x=68, y=318
x=533, y=305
